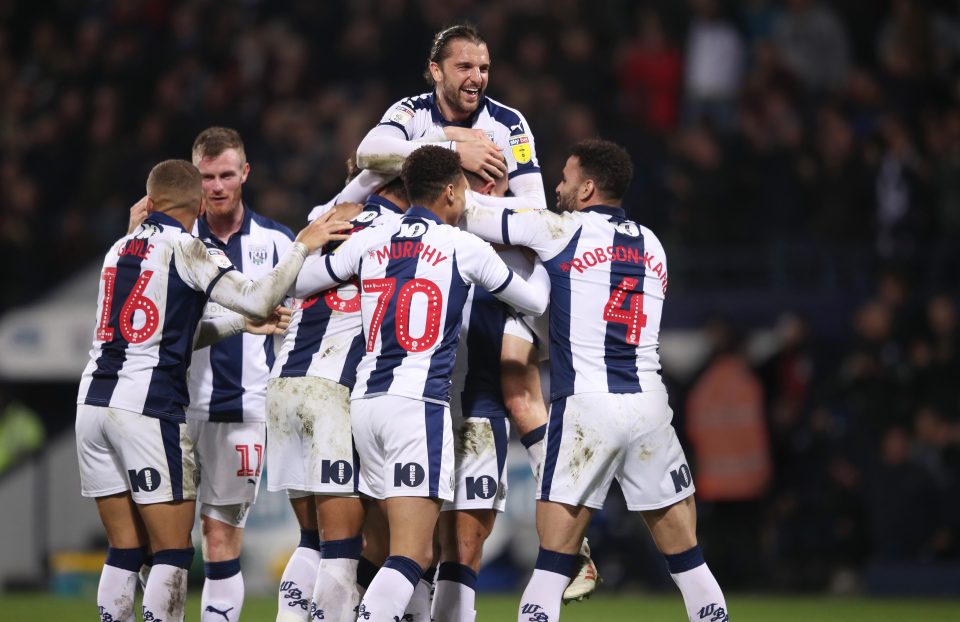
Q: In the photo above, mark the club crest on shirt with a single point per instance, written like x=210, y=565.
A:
x=258, y=254
x=520, y=146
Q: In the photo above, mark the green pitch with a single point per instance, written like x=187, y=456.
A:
x=646, y=608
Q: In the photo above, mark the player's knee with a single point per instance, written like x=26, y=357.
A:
x=222, y=529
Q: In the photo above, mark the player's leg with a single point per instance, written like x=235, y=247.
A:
x=231, y=457
x=127, y=541
x=406, y=457
x=674, y=531
x=560, y=528
x=480, y=449
x=520, y=383
x=376, y=543
x=299, y=575
x=335, y=593
x=656, y=481
x=462, y=534
x=103, y=477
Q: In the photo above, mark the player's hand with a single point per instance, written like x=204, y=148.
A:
x=464, y=134
x=138, y=213
x=483, y=158
x=323, y=230
x=276, y=324
x=346, y=211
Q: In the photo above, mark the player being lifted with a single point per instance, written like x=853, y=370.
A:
x=136, y=456
x=414, y=279
x=609, y=416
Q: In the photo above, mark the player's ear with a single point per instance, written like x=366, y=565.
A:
x=203, y=208
x=244, y=172
x=151, y=206
x=587, y=190
x=435, y=72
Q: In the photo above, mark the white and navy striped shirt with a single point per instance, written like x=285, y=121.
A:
x=419, y=117
x=153, y=288
x=325, y=337
x=608, y=280
x=414, y=279
x=228, y=380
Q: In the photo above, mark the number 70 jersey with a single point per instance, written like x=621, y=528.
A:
x=608, y=280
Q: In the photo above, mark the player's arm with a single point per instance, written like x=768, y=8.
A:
x=210, y=330
x=209, y=270
x=357, y=191
x=320, y=272
x=523, y=170
x=529, y=297
x=542, y=230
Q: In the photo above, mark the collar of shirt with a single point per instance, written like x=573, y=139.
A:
x=382, y=204
x=163, y=219
x=438, y=116
x=203, y=229
x=416, y=211
x=608, y=210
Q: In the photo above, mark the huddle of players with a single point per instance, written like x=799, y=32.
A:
x=418, y=275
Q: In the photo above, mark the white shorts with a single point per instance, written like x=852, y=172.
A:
x=535, y=330
x=121, y=450
x=230, y=456
x=311, y=445
x=405, y=447
x=480, y=453
x=595, y=437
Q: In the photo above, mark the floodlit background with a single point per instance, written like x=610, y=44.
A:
x=799, y=159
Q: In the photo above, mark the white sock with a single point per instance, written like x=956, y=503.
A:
x=222, y=596
x=418, y=609
x=456, y=596
x=115, y=594
x=390, y=590
x=166, y=590
x=536, y=449
x=541, y=598
x=701, y=593
x=296, y=585
x=335, y=594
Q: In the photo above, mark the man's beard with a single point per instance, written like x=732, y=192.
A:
x=452, y=96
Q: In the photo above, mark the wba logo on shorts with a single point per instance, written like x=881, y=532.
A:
x=409, y=474
x=484, y=487
x=339, y=471
x=144, y=480
x=681, y=478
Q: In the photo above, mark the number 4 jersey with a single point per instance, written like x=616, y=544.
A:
x=414, y=278
x=608, y=279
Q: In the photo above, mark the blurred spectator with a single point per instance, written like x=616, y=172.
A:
x=649, y=76
x=714, y=67
x=813, y=44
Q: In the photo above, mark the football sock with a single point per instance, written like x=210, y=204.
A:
x=166, y=590
x=366, y=571
x=299, y=576
x=551, y=575
x=390, y=590
x=701, y=592
x=222, y=596
x=335, y=593
x=456, y=595
x=418, y=609
x=118, y=583
x=536, y=449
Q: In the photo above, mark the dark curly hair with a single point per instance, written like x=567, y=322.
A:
x=440, y=48
x=427, y=171
x=607, y=164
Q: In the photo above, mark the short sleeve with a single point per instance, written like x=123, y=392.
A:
x=401, y=116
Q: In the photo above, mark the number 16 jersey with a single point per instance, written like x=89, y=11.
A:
x=608, y=280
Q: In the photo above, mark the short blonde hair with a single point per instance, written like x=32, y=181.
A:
x=213, y=141
x=174, y=184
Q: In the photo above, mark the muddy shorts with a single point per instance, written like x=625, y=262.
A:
x=593, y=438
x=480, y=456
x=311, y=445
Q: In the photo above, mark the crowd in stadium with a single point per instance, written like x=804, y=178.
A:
x=797, y=135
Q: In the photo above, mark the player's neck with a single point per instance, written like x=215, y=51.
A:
x=224, y=225
x=447, y=112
